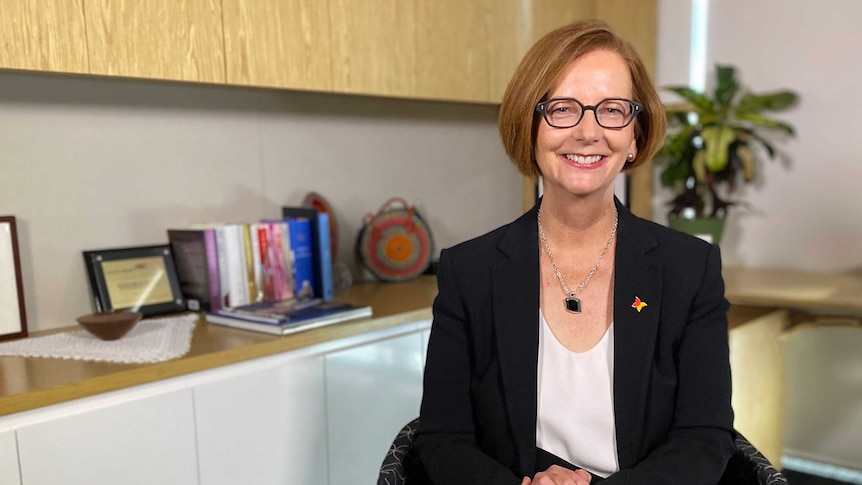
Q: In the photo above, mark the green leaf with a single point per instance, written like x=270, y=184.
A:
x=746, y=161
x=698, y=164
x=700, y=101
x=754, y=135
x=727, y=86
x=725, y=123
x=716, y=141
x=763, y=121
x=681, y=108
x=754, y=103
x=676, y=144
x=768, y=146
x=673, y=173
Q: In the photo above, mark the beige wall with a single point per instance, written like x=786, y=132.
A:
x=805, y=208
x=89, y=163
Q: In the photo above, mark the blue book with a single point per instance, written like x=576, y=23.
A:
x=303, y=256
x=310, y=213
x=324, y=249
x=284, y=317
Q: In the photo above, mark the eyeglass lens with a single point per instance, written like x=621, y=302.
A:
x=610, y=113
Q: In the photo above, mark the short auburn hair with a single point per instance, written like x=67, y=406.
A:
x=540, y=70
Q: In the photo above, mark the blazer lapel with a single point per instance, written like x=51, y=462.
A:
x=515, y=287
x=637, y=278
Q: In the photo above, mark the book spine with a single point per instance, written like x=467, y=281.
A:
x=315, y=253
x=289, y=282
x=244, y=324
x=267, y=278
x=283, y=288
x=223, y=270
x=301, y=246
x=248, y=252
x=256, y=262
x=324, y=249
x=236, y=265
x=212, y=269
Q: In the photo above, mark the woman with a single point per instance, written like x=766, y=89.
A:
x=579, y=342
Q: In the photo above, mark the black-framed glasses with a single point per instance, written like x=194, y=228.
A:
x=568, y=112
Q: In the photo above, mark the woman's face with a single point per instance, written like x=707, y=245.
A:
x=584, y=160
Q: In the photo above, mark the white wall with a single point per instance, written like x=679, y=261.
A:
x=805, y=207
x=89, y=163
x=807, y=203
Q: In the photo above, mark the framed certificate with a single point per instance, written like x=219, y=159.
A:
x=142, y=279
x=13, y=320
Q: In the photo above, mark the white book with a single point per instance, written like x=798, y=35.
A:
x=237, y=276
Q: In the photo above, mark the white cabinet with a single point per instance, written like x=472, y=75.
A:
x=265, y=425
x=426, y=335
x=9, y=474
x=324, y=414
x=372, y=390
x=142, y=441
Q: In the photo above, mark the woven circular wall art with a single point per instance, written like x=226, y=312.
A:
x=395, y=244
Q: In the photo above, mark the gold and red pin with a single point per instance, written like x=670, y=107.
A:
x=638, y=304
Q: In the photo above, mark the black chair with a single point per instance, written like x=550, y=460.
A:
x=393, y=471
x=746, y=467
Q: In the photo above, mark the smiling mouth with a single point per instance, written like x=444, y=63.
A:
x=584, y=160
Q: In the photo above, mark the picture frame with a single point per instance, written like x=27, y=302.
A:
x=13, y=317
x=142, y=279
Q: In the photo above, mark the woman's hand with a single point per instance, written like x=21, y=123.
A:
x=557, y=475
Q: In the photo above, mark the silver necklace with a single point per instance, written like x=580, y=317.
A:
x=573, y=304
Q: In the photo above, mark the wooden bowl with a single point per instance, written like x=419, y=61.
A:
x=110, y=325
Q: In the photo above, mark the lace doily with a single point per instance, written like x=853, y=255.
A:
x=151, y=340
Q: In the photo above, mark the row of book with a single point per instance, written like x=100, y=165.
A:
x=226, y=265
x=271, y=276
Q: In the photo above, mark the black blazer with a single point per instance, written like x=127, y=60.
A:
x=674, y=421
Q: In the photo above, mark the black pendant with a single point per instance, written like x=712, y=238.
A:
x=573, y=305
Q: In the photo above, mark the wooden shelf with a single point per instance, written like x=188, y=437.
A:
x=28, y=383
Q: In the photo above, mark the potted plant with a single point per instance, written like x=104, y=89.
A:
x=710, y=147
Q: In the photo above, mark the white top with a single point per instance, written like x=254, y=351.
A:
x=576, y=402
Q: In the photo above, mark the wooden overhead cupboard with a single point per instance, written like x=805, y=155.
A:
x=443, y=49
x=157, y=39
x=43, y=35
x=447, y=50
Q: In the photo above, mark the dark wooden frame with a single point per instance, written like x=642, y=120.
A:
x=18, y=288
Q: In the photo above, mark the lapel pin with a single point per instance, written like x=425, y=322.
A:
x=638, y=304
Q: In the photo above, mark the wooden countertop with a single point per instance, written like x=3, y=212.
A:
x=29, y=383
x=813, y=292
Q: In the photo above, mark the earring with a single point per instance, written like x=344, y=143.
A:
x=630, y=157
